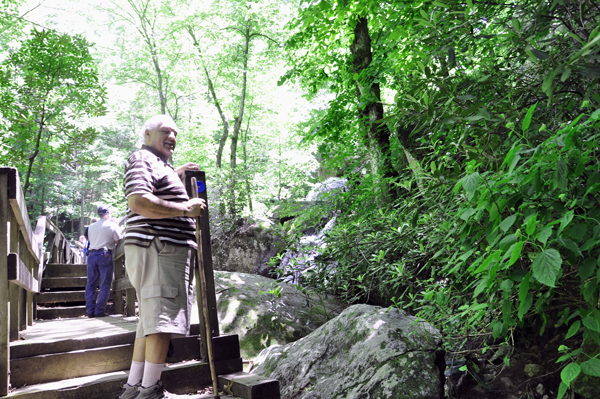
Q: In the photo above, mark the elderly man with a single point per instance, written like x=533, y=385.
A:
x=160, y=241
x=104, y=236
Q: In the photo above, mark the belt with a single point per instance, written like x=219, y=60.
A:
x=101, y=251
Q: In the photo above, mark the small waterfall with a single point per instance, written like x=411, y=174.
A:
x=294, y=263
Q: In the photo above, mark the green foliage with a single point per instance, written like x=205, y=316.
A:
x=496, y=224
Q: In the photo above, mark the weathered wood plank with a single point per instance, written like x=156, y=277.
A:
x=226, y=347
x=61, y=312
x=206, y=252
x=118, y=294
x=17, y=203
x=60, y=366
x=130, y=302
x=179, y=379
x=19, y=274
x=121, y=284
x=249, y=386
x=66, y=270
x=4, y=294
x=65, y=296
x=64, y=282
x=13, y=245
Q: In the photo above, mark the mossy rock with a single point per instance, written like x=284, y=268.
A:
x=264, y=312
x=586, y=385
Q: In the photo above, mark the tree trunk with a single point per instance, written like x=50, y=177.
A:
x=35, y=152
x=238, y=124
x=369, y=93
x=211, y=88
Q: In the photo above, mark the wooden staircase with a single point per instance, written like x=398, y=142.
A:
x=63, y=291
x=88, y=358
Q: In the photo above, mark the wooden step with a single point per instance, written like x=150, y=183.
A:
x=64, y=296
x=64, y=282
x=65, y=270
x=60, y=312
x=181, y=379
x=61, y=366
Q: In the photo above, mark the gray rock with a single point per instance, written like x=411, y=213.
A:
x=264, y=312
x=365, y=352
x=540, y=389
x=532, y=370
x=248, y=250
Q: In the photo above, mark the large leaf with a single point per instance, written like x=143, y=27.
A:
x=591, y=367
x=559, y=179
x=543, y=235
x=574, y=329
x=470, y=184
x=570, y=372
x=528, y=116
x=546, y=266
x=507, y=223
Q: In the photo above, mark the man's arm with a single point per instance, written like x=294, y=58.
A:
x=150, y=206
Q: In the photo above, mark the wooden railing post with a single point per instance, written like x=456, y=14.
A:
x=4, y=310
x=207, y=262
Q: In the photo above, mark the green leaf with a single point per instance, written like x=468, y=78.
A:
x=507, y=286
x=470, y=184
x=466, y=215
x=591, y=323
x=542, y=55
x=591, y=367
x=525, y=306
x=559, y=179
x=565, y=220
x=493, y=257
x=566, y=74
x=543, y=235
x=507, y=242
x=497, y=331
x=547, y=84
x=587, y=268
x=515, y=253
x=524, y=287
x=570, y=245
x=507, y=223
x=570, y=372
x=528, y=116
x=530, y=224
x=574, y=329
x=546, y=266
x=562, y=389
x=482, y=286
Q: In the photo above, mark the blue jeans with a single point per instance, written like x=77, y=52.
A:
x=100, y=266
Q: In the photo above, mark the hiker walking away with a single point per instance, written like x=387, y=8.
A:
x=82, y=245
x=104, y=236
x=160, y=241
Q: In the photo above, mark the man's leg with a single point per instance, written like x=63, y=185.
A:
x=90, y=289
x=156, y=348
x=106, y=269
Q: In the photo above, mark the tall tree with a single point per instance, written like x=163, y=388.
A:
x=47, y=87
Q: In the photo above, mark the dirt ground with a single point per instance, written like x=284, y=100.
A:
x=531, y=372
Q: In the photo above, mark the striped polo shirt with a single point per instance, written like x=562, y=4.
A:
x=146, y=172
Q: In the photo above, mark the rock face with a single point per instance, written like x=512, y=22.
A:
x=264, y=312
x=248, y=250
x=365, y=352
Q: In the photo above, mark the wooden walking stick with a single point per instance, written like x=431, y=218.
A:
x=200, y=277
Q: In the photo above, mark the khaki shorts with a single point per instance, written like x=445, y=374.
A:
x=161, y=276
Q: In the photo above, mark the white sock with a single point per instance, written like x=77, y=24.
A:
x=152, y=372
x=135, y=373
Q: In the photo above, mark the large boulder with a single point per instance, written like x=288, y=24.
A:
x=365, y=352
x=264, y=312
x=247, y=250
